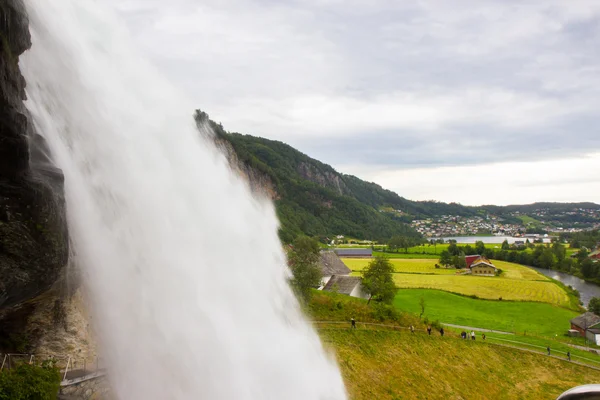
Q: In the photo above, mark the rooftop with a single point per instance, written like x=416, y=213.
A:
x=586, y=320
x=354, y=252
x=343, y=283
x=331, y=264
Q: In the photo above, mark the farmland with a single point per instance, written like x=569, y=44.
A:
x=488, y=287
x=413, y=266
x=522, y=317
x=516, y=283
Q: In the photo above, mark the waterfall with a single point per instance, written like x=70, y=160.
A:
x=184, y=269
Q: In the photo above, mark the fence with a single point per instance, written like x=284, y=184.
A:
x=70, y=367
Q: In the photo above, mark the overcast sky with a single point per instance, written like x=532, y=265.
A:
x=474, y=101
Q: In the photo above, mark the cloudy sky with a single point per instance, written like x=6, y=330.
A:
x=474, y=101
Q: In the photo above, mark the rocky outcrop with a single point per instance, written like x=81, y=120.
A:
x=259, y=183
x=328, y=179
x=34, y=244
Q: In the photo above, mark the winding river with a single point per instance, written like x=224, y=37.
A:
x=587, y=290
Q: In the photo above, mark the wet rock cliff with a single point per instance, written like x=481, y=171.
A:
x=34, y=244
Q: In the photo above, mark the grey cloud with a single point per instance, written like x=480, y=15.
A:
x=249, y=64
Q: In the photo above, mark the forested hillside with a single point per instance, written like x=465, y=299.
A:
x=311, y=197
x=314, y=199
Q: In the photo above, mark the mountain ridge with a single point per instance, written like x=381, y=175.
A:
x=311, y=196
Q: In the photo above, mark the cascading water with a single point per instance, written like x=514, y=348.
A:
x=183, y=266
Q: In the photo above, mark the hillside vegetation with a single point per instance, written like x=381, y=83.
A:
x=314, y=199
x=379, y=363
x=399, y=365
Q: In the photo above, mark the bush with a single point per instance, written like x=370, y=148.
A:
x=30, y=382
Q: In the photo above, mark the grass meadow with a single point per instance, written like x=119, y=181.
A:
x=510, y=316
x=388, y=365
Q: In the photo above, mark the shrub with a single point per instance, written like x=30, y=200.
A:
x=30, y=382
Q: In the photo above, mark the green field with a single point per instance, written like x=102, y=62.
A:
x=488, y=287
x=516, y=283
x=510, y=316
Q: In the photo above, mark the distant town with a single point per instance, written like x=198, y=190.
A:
x=513, y=224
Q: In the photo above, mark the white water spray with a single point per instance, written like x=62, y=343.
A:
x=184, y=267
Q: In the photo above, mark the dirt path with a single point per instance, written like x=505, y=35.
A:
x=472, y=328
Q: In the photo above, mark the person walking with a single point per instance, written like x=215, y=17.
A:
x=442, y=332
x=429, y=330
x=472, y=335
x=463, y=335
x=483, y=336
x=412, y=329
x=353, y=322
x=569, y=355
x=548, y=349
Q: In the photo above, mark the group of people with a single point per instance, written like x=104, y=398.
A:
x=463, y=335
x=466, y=335
x=429, y=330
x=568, y=353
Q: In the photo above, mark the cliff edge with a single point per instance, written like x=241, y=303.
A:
x=34, y=245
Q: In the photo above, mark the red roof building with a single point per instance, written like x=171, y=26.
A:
x=471, y=259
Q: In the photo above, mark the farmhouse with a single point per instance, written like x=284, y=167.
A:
x=348, y=285
x=357, y=253
x=480, y=266
x=331, y=265
x=595, y=255
x=587, y=324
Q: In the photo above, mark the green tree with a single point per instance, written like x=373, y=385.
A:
x=594, y=305
x=505, y=245
x=378, y=280
x=453, y=249
x=587, y=268
x=582, y=254
x=479, y=247
x=547, y=259
x=303, y=260
x=445, y=258
x=30, y=382
x=396, y=242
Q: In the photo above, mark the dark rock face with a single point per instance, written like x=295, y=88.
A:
x=33, y=232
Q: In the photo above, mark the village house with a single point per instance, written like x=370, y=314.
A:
x=330, y=265
x=336, y=276
x=480, y=266
x=588, y=325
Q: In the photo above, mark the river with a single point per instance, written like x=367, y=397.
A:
x=587, y=290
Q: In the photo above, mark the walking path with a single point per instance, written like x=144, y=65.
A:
x=471, y=328
x=518, y=347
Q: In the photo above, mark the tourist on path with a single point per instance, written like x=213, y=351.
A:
x=569, y=355
x=412, y=329
x=429, y=330
x=442, y=332
x=472, y=335
x=353, y=322
x=548, y=349
x=483, y=336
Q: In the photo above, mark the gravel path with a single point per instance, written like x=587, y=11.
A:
x=472, y=328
